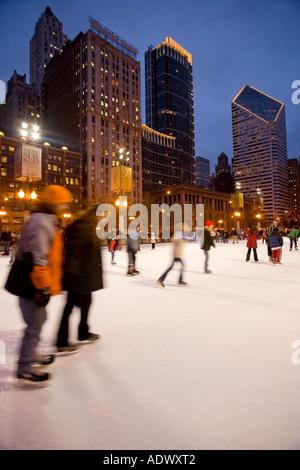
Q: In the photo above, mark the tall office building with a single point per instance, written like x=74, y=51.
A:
x=160, y=168
x=169, y=101
x=92, y=102
x=48, y=40
x=22, y=105
x=294, y=184
x=223, y=179
x=202, y=172
x=260, y=151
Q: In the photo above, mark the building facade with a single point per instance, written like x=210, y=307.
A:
x=93, y=100
x=59, y=166
x=223, y=179
x=217, y=205
x=202, y=172
x=260, y=150
x=160, y=166
x=294, y=184
x=169, y=101
x=22, y=105
x=47, y=41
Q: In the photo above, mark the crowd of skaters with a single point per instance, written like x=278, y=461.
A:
x=47, y=260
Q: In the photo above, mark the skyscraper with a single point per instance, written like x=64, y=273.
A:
x=202, y=172
x=260, y=151
x=92, y=97
x=294, y=183
x=159, y=160
x=22, y=104
x=169, y=101
x=48, y=40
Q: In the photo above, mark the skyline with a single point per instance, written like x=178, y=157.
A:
x=232, y=43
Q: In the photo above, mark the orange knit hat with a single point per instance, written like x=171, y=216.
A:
x=54, y=194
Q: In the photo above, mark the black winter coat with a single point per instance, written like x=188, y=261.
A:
x=83, y=265
x=208, y=240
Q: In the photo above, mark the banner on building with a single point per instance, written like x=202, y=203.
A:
x=237, y=200
x=121, y=178
x=28, y=162
x=258, y=204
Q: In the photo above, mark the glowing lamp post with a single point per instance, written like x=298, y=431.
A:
x=258, y=216
x=237, y=215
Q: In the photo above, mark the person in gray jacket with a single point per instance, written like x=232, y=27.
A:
x=36, y=275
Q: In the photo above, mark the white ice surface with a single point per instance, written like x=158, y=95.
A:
x=207, y=366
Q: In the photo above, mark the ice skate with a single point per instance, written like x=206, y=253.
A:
x=43, y=360
x=91, y=338
x=66, y=350
x=33, y=376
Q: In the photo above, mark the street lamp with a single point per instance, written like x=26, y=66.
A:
x=237, y=215
x=123, y=157
x=29, y=132
x=27, y=197
x=258, y=216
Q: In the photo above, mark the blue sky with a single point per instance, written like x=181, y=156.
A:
x=233, y=42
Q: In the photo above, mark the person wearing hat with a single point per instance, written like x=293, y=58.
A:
x=36, y=275
x=207, y=243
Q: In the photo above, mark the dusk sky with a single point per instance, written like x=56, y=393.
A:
x=233, y=42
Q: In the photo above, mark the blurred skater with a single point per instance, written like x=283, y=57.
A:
x=267, y=236
x=293, y=236
x=252, y=244
x=6, y=238
x=115, y=245
x=207, y=243
x=178, y=247
x=153, y=241
x=275, y=242
x=133, y=246
x=82, y=276
x=36, y=275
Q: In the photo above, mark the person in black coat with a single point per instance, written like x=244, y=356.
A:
x=6, y=238
x=208, y=241
x=82, y=276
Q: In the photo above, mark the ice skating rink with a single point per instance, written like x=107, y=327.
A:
x=206, y=366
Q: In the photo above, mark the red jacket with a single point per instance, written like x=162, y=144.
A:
x=252, y=240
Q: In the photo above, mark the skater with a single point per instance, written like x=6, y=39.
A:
x=14, y=246
x=115, y=245
x=207, y=243
x=6, y=238
x=82, y=276
x=178, y=246
x=293, y=236
x=267, y=235
x=133, y=246
x=252, y=244
x=153, y=241
x=36, y=275
x=275, y=242
x=234, y=236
